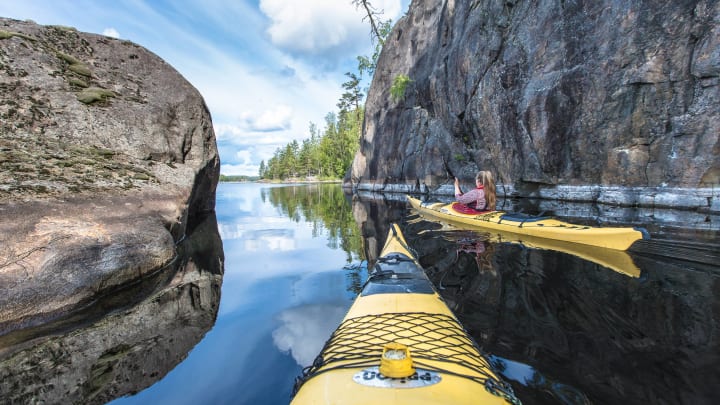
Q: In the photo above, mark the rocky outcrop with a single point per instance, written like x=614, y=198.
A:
x=614, y=102
x=107, y=159
x=128, y=350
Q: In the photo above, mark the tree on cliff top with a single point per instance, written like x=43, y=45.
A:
x=379, y=31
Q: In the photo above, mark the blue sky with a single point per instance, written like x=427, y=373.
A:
x=266, y=68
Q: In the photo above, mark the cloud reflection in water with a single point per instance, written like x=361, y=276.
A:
x=304, y=330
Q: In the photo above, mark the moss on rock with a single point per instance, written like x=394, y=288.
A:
x=74, y=81
x=68, y=58
x=94, y=94
x=81, y=69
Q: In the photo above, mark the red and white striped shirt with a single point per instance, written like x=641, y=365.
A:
x=474, y=198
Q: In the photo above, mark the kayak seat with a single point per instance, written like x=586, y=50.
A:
x=520, y=217
x=395, y=274
x=464, y=209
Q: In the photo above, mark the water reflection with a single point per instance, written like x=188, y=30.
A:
x=563, y=329
x=304, y=330
x=528, y=377
x=124, y=343
x=570, y=330
x=290, y=268
x=326, y=210
x=616, y=260
x=323, y=207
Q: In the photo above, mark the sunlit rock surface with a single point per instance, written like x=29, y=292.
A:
x=107, y=158
x=615, y=102
x=93, y=358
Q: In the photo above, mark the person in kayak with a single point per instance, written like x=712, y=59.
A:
x=482, y=197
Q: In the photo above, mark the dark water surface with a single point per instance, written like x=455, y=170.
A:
x=561, y=329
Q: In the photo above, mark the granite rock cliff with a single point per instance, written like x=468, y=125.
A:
x=608, y=101
x=107, y=158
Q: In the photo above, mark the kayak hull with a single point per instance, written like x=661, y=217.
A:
x=398, y=304
x=618, y=238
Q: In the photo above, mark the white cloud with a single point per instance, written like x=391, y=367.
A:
x=239, y=169
x=271, y=120
x=111, y=32
x=304, y=330
x=314, y=27
x=311, y=26
x=243, y=156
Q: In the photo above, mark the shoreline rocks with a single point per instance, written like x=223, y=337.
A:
x=94, y=191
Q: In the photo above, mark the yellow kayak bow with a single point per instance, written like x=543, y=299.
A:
x=400, y=344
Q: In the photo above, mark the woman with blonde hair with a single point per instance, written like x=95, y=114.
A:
x=482, y=198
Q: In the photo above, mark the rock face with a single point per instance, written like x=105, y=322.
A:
x=607, y=101
x=107, y=158
x=128, y=350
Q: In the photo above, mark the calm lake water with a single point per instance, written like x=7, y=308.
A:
x=560, y=328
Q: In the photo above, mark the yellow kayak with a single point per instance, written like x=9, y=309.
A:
x=400, y=344
x=613, y=259
x=538, y=227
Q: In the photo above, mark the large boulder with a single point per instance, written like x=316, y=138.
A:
x=107, y=159
x=608, y=101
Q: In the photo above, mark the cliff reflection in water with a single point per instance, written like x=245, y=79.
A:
x=326, y=208
x=124, y=343
x=566, y=330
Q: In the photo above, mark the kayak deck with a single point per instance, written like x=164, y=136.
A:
x=398, y=304
x=619, y=238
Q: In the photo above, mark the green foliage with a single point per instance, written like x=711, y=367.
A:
x=326, y=155
x=93, y=94
x=81, y=69
x=77, y=82
x=75, y=64
x=327, y=209
x=9, y=34
x=400, y=83
x=458, y=157
x=352, y=97
x=64, y=28
x=368, y=64
x=68, y=58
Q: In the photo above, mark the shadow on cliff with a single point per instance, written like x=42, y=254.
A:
x=125, y=341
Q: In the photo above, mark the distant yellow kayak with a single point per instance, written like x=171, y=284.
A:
x=400, y=344
x=616, y=260
x=539, y=227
